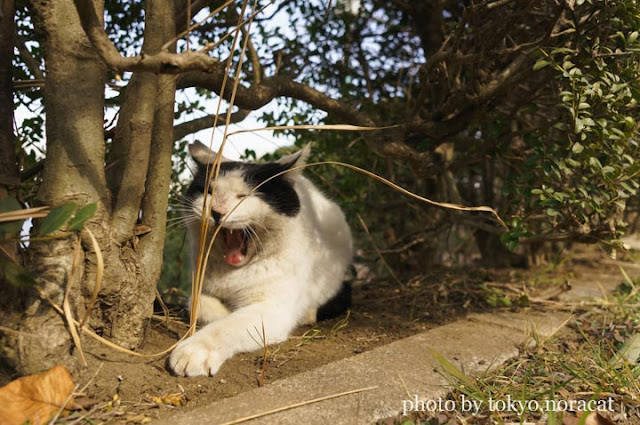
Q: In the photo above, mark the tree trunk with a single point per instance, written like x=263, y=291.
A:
x=75, y=171
x=8, y=168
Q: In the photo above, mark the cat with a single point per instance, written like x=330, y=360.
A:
x=278, y=261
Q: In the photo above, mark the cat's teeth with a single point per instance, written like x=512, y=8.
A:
x=231, y=231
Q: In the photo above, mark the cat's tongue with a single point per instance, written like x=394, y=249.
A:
x=233, y=246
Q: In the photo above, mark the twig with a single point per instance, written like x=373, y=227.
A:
x=296, y=405
x=66, y=307
x=163, y=306
x=404, y=247
x=99, y=275
x=92, y=379
x=63, y=406
x=375, y=247
x=102, y=340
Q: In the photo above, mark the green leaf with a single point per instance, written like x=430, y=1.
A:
x=57, y=218
x=540, y=64
x=577, y=148
x=81, y=217
x=505, y=301
x=10, y=227
x=552, y=213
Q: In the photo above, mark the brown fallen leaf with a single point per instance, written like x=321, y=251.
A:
x=35, y=398
x=593, y=418
x=596, y=418
x=176, y=399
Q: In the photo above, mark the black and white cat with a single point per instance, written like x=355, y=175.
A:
x=279, y=259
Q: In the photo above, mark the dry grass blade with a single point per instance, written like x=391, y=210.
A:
x=213, y=13
x=211, y=176
x=393, y=186
x=214, y=170
x=337, y=127
x=411, y=194
x=296, y=405
x=99, y=275
x=38, y=212
x=66, y=307
x=211, y=46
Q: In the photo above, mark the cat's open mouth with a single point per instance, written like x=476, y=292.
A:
x=235, y=245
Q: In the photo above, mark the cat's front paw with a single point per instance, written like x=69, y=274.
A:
x=194, y=357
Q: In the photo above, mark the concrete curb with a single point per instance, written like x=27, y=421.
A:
x=400, y=371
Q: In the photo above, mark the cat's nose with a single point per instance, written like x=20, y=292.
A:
x=216, y=215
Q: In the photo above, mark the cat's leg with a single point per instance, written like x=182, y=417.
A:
x=240, y=331
x=211, y=308
x=309, y=317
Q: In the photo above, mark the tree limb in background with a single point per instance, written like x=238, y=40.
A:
x=31, y=62
x=160, y=62
x=193, y=126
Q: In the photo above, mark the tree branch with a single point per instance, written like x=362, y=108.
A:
x=32, y=64
x=258, y=95
x=193, y=126
x=160, y=62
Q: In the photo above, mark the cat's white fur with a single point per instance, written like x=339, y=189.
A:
x=295, y=267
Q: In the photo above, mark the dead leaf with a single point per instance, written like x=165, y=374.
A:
x=596, y=418
x=142, y=229
x=593, y=418
x=35, y=398
x=83, y=403
x=176, y=399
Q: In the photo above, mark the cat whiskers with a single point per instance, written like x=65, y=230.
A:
x=253, y=236
x=182, y=220
x=262, y=227
x=182, y=207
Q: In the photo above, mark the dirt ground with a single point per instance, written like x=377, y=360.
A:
x=382, y=312
x=118, y=388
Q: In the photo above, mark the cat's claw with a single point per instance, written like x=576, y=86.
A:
x=195, y=358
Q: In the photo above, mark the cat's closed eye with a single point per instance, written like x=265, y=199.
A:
x=241, y=195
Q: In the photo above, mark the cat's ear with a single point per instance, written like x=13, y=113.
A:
x=296, y=159
x=202, y=154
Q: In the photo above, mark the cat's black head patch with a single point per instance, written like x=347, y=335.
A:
x=278, y=192
x=199, y=182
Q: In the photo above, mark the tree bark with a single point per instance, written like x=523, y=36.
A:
x=8, y=168
x=75, y=171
